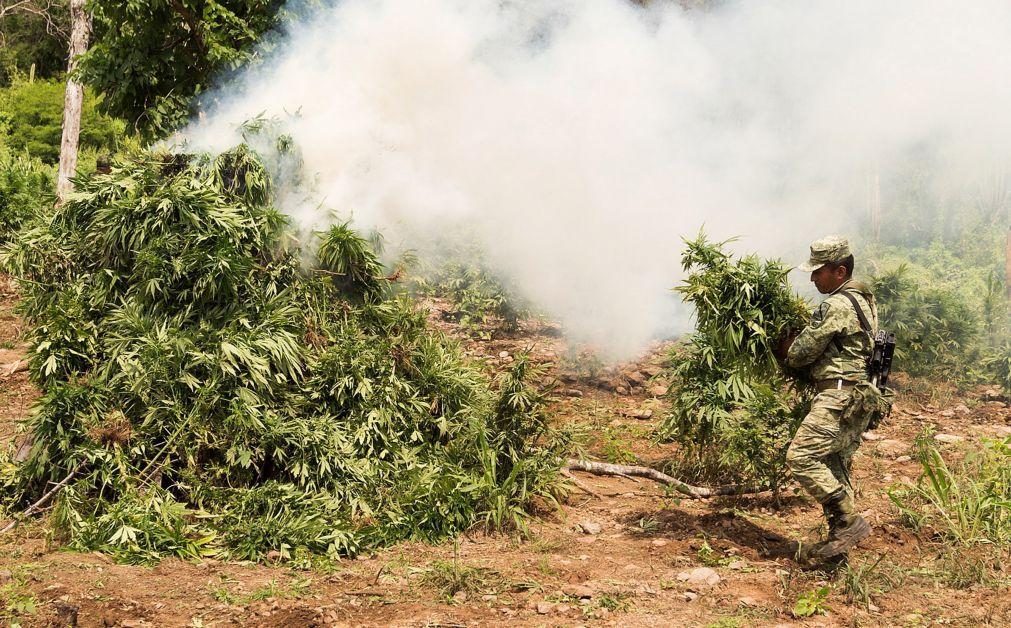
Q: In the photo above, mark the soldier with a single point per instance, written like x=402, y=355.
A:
x=834, y=348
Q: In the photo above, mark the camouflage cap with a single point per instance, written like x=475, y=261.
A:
x=826, y=251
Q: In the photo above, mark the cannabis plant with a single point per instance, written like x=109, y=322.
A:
x=211, y=388
x=733, y=408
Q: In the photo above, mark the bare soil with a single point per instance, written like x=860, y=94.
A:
x=624, y=574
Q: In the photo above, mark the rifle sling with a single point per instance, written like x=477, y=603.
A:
x=865, y=325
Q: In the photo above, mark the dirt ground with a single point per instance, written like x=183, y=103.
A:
x=622, y=557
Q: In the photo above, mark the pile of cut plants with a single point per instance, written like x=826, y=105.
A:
x=733, y=406
x=215, y=383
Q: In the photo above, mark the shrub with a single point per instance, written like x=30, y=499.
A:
x=221, y=396
x=26, y=185
x=32, y=115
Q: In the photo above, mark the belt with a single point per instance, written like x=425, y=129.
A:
x=833, y=384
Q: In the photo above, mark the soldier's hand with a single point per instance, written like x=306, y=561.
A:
x=783, y=345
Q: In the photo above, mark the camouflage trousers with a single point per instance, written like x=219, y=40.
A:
x=821, y=452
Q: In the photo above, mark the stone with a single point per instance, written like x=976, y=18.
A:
x=563, y=608
x=903, y=459
x=873, y=608
x=543, y=608
x=621, y=390
x=460, y=597
x=872, y=436
x=5, y=576
x=947, y=413
x=658, y=390
x=658, y=542
x=962, y=409
x=572, y=392
x=635, y=377
x=738, y=565
x=700, y=576
x=948, y=438
x=690, y=596
x=503, y=354
x=748, y=602
x=891, y=447
x=590, y=527
x=578, y=590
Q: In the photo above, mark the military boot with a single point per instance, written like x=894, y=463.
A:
x=846, y=528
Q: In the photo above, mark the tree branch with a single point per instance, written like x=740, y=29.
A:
x=688, y=490
x=43, y=500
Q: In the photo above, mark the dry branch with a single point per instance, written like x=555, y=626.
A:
x=42, y=500
x=688, y=490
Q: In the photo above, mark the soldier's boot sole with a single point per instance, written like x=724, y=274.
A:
x=845, y=539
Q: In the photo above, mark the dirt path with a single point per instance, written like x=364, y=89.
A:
x=631, y=557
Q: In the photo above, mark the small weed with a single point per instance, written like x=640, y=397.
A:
x=710, y=558
x=726, y=622
x=648, y=525
x=811, y=603
x=546, y=546
x=615, y=602
x=863, y=580
x=615, y=450
x=544, y=567
x=452, y=577
x=17, y=602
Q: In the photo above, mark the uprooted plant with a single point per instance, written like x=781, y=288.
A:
x=733, y=407
x=207, y=390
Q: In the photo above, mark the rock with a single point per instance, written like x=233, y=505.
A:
x=590, y=527
x=503, y=354
x=748, y=602
x=658, y=542
x=700, y=576
x=621, y=390
x=658, y=390
x=543, y=608
x=460, y=597
x=872, y=436
x=563, y=608
x=1002, y=430
x=489, y=597
x=962, y=409
x=5, y=576
x=652, y=370
x=948, y=438
x=578, y=590
x=690, y=596
x=903, y=459
x=572, y=392
x=635, y=377
x=873, y=608
x=738, y=565
x=583, y=557
x=947, y=413
x=891, y=447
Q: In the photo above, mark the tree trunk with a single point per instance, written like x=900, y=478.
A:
x=80, y=32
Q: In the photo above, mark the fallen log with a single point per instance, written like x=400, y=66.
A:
x=688, y=490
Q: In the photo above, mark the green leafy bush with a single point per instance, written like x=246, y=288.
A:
x=26, y=185
x=731, y=409
x=221, y=395
x=31, y=116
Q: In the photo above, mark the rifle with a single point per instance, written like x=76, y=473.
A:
x=879, y=365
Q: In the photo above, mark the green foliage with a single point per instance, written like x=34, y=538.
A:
x=26, y=185
x=29, y=39
x=31, y=120
x=811, y=603
x=970, y=504
x=226, y=396
x=149, y=58
x=999, y=363
x=936, y=328
x=479, y=298
x=730, y=408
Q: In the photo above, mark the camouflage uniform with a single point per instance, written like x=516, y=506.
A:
x=833, y=347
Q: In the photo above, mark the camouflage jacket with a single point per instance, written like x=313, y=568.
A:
x=833, y=346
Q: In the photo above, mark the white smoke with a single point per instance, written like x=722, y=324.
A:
x=581, y=139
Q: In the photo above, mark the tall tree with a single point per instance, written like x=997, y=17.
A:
x=151, y=57
x=80, y=32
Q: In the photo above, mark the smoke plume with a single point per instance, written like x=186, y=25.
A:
x=579, y=140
